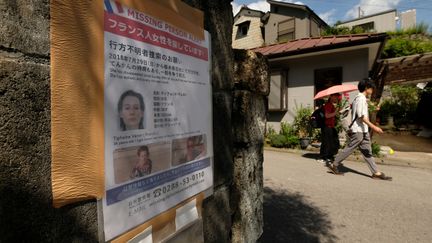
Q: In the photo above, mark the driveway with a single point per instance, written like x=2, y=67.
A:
x=304, y=203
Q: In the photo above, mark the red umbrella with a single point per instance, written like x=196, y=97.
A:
x=343, y=88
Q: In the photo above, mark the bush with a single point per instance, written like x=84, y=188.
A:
x=335, y=30
x=288, y=136
x=270, y=131
x=287, y=129
x=376, y=149
x=293, y=141
x=399, y=47
x=281, y=141
x=402, y=105
x=301, y=124
x=415, y=40
x=278, y=141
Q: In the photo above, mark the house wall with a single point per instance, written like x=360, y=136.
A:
x=301, y=89
x=408, y=19
x=383, y=23
x=302, y=24
x=254, y=36
x=315, y=29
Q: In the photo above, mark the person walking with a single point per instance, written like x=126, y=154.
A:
x=359, y=132
x=329, y=135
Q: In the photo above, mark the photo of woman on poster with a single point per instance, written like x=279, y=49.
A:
x=131, y=111
x=189, y=149
x=143, y=165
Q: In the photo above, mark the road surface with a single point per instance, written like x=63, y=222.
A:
x=304, y=203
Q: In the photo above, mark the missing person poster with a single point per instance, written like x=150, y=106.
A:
x=158, y=117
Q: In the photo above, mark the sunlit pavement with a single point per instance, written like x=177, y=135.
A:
x=304, y=203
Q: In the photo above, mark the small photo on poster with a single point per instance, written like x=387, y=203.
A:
x=188, y=149
x=131, y=111
x=140, y=161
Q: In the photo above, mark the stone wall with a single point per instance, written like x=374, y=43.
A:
x=26, y=214
x=232, y=213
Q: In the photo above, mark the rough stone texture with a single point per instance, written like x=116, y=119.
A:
x=249, y=118
x=218, y=21
x=247, y=194
x=216, y=209
x=26, y=210
x=24, y=26
x=222, y=141
x=251, y=72
x=217, y=216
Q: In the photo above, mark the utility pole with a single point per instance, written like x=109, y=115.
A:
x=359, y=12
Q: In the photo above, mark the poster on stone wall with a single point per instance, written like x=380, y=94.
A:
x=158, y=117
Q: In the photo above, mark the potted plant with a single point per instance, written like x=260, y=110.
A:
x=302, y=126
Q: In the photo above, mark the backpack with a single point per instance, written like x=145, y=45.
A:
x=346, y=118
x=317, y=119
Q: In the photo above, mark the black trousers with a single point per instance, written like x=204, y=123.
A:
x=329, y=143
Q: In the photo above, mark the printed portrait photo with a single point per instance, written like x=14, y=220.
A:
x=188, y=149
x=140, y=161
x=131, y=111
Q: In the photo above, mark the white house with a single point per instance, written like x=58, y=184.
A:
x=301, y=68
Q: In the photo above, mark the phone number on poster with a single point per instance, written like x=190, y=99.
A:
x=185, y=182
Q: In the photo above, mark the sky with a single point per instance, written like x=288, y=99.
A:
x=334, y=10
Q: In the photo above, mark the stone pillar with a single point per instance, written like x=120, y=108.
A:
x=251, y=89
x=218, y=21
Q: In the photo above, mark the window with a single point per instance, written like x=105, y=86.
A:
x=327, y=77
x=286, y=30
x=278, y=98
x=242, y=29
x=366, y=27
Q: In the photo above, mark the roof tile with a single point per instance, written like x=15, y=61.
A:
x=314, y=42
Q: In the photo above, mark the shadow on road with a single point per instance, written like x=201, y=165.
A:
x=345, y=169
x=311, y=155
x=289, y=217
x=342, y=169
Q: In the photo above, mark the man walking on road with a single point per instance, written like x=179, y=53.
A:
x=359, y=132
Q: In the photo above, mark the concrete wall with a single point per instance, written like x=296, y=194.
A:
x=302, y=24
x=301, y=88
x=383, y=23
x=254, y=36
x=408, y=19
x=26, y=212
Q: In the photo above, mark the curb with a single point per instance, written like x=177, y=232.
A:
x=358, y=158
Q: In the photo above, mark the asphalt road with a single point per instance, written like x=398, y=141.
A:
x=304, y=203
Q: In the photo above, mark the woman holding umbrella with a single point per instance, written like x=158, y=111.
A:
x=329, y=136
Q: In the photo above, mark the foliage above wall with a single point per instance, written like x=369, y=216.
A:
x=415, y=40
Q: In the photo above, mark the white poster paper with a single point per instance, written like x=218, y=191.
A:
x=158, y=117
